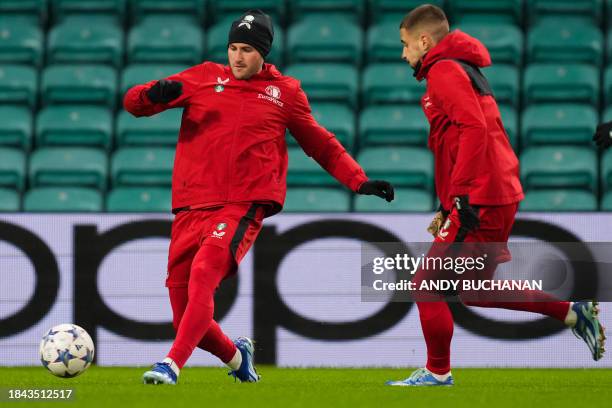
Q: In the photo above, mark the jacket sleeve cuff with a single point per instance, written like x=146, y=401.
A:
x=357, y=182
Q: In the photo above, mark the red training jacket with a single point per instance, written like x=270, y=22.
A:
x=231, y=146
x=472, y=153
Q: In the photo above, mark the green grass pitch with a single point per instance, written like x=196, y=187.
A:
x=321, y=387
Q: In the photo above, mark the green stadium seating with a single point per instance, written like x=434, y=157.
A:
x=336, y=118
x=136, y=199
x=159, y=39
x=21, y=41
x=393, y=125
x=607, y=87
x=510, y=120
x=558, y=124
x=141, y=166
x=16, y=130
x=74, y=126
x=12, y=169
x=18, y=85
x=508, y=11
x=395, y=10
x=503, y=40
x=140, y=9
x=559, y=167
x=606, y=170
x=606, y=202
x=79, y=84
x=34, y=9
x=62, y=199
x=9, y=200
x=352, y=9
x=401, y=166
x=223, y=9
x=317, y=200
x=559, y=200
x=505, y=82
x=572, y=83
x=136, y=74
x=86, y=39
x=327, y=82
x=324, y=39
x=383, y=43
x=390, y=83
x=63, y=8
x=161, y=129
x=565, y=40
x=216, y=43
x=304, y=171
x=63, y=166
x=406, y=200
x=588, y=9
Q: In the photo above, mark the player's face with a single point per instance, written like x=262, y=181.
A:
x=414, y=47
x=244, y=60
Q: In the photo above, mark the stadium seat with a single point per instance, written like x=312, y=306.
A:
x=559, y=167
x=510, y=120
x=157, y=130
x=317, y=200
x=587, y=9
x=390, y=83
x=18, y=85
x=382, y=42
x=395, y=10
x=503, y=40
x=136, y=199
x=223, y=9
x=62, y=199
x=144, y=8
x=606, y=170
x=304, y=171
x=505, y=82
x=36, y=10
x=16, y=130
x=401, y=166
x=572, y=83
x=12, y=169
x=559, y=200
x=336, y=118
x=63, y=8
x=393, y=125
x=21, y=41
x=327, y=82
x=158, y=39
x=79, y=84
x=9, y=200
x=568, y=40
x=606, y=202
x=86, y=39
x=607, y=84
x=350, y=9
x=324, y=39
x=502, y=11
x=74, y=126
x=406, y=200
x=558, y=124
x=141, y=166
x=136, y=74
x=216, y=43
x=63, y=166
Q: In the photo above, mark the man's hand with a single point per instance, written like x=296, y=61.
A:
x=468, y=217
x=603, y=135
x=380, y=188
x=165, y=91
x=436, y=224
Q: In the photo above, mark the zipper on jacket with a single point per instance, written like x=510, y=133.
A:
x=233, y=143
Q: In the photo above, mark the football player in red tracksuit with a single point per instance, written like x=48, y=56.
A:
x=229, y=174
x=477, y=181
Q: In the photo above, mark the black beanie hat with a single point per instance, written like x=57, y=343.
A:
x=254, y=28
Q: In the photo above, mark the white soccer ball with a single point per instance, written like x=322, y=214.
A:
x=66, y=350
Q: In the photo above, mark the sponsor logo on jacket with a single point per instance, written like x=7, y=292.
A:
x=273, y=94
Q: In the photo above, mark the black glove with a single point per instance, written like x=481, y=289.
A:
x=603, y=135
x=382, y=189
x=468, y=216
x=165, y=91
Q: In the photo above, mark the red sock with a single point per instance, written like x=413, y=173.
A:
x=209, y=267
x=437, y=325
